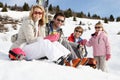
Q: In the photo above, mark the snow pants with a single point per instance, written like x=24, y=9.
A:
x=43, y=47
x=101, y=62
x=67, y=45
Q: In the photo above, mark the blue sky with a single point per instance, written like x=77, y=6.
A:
x=100, y=7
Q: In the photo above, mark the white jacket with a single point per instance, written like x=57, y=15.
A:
x=27, y=32
x=37, y=47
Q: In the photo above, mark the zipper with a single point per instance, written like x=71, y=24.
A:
x=98, y=40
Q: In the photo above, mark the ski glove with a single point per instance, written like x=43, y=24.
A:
x=53, y=37
x=83, y=42
x=108, y=56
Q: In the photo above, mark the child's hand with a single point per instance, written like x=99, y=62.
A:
x=83, y=42
x=108, y=56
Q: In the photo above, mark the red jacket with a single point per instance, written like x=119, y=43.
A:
x=71, y=38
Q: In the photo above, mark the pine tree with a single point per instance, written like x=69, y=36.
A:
x=4, y=9
x=1, y=4
x=68, y=13
x=14, y=7
x=26, y=7
x=88, y=15
x=95, y=16
x=81, y=15
x=6, y=5
x=105, y=20
x=111, y=18
x=57, y=9
x=50, y=8
x=74, y=18
x=118, y=19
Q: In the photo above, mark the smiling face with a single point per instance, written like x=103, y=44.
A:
x=58, y=21
x=78, y=32
x=98, y=28
x=37, y=14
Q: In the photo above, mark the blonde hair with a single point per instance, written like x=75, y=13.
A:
x=100, y=25
x=42, y=21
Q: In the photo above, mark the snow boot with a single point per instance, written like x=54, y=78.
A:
x=68, y=61
x=60, y=61
x=73, y=63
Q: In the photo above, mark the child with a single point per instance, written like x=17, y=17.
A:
x=101, y=46
x=77, y=42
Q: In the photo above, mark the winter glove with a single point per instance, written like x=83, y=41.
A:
x=83, y=42
x=53, y=37
x=94, y=34
x=108, y=56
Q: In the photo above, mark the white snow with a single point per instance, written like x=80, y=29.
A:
x=44, y=70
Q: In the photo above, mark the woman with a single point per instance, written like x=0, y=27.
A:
x=30, y=38
x=101, y=46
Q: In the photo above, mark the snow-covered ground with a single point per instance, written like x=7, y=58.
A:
x=44, y=70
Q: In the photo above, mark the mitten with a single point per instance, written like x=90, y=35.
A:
x=83, y=42
x=108, y=56
x=53, y=37
x=94, y=34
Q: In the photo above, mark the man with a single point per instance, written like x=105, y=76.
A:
x=55, y=26
x=52, y=29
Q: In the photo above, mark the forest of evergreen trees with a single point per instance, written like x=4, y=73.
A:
x=54, y=9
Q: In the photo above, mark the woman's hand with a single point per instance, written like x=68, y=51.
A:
x=53, y=37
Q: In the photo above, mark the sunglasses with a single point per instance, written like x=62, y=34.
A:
x=60, y=20
x=78, y=31
x=35, y=12
x=97, y=27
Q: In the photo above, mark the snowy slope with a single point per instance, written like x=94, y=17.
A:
x=44, y=70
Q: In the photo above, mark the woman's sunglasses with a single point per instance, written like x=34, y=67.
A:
x=35, y=12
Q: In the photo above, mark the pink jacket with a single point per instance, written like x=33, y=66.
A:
x=100, y=44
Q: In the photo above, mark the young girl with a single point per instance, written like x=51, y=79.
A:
x=101, y=46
